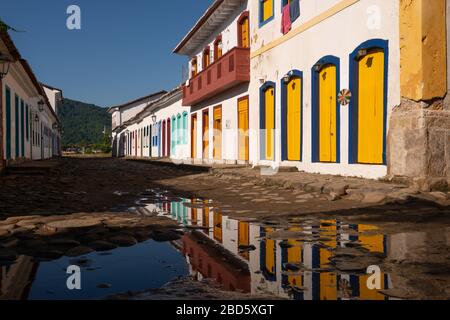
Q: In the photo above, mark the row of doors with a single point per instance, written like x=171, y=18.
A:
x=22, y=127
x=243, y=136
x=367, y=114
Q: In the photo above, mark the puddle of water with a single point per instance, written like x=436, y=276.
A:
x=303, y=259
x=292, y=262
x=144, y=266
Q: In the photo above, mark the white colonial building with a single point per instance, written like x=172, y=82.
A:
x=30, y=128
x=331, y=86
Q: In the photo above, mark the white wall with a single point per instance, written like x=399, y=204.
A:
x=338, y=35
x=181, y=151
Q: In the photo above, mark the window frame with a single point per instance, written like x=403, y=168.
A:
x=261, y=12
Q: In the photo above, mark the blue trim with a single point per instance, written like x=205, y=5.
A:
x=261, y=22
x=315, y=109
x=353, y=106
x=284, y=148
x=262, y=119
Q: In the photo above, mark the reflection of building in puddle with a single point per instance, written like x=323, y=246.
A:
x=16, y=279
x=268, y=263
x=208, y=260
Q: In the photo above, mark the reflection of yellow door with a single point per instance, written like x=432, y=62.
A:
x=217, y=142
x=205, y=133
x=269, y=96
x=244, y=237
x=243, y=129
x=194, y=213
x=270, y=254
x=217, y=226
x=372, y=242
x=194, y=136
x=244, y=233
x=371, y=108
x=244, y=33
x=294, y=255
x=370, y=294
x=293, y=119
x=327, y=113
x=205, y=215
x=328, y=286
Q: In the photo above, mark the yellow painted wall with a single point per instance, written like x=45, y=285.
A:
x=423, y=49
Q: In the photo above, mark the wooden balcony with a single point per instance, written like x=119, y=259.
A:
x=231, y=69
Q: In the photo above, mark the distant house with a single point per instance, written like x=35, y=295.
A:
x=124, y=112
x=30, y=128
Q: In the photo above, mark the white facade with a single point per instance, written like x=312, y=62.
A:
x=326, y=28
x=159, y=130
x=29, y=130
x=330, y=32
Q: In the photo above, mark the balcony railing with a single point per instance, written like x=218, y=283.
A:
x=231, y=69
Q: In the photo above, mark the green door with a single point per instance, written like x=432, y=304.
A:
x=16, y=120
x=8, y=123
x=22, y=128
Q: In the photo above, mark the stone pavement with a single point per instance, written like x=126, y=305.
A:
x=334, y=187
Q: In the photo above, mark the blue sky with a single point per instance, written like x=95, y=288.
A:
x=123, y=50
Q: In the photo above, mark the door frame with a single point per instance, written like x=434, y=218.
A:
x=194, y=135
x=315, y=111
x=284, y=146
x=374, y=44
x=205, y=152
x=243, y=16
x=262, y=119
x=247, y=97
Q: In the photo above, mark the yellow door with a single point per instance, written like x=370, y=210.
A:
x=194, y=136
x=327, y=114
x=217, y=147
x=205, y=133
x=293, y=119
x=244, y=33
x=270, y=121
x=244, y=238
x=371, y=108
x=243, y=139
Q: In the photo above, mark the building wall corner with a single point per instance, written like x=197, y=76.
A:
x=419, y=144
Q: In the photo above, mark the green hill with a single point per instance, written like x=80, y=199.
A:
x=83, y=123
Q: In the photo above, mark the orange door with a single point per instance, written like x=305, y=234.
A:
x=205, y=133
x=245, y=43
x=243, y=139
x=217, y=140
x=194, y=136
